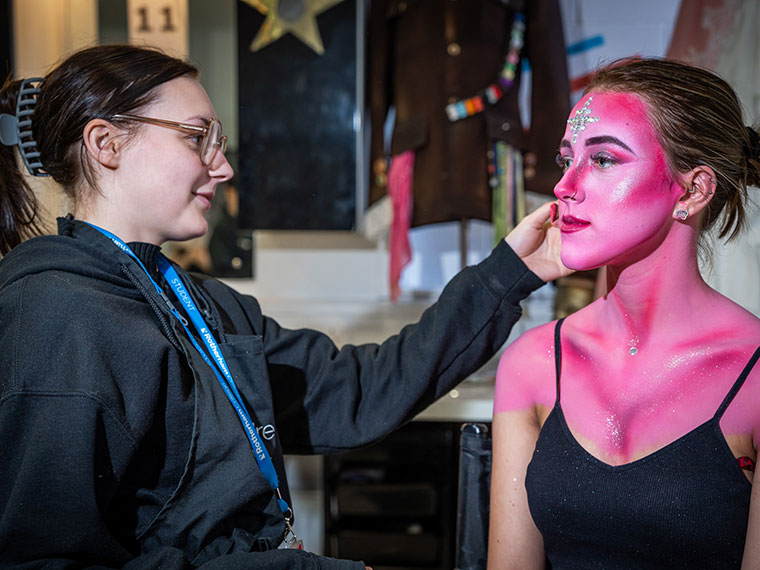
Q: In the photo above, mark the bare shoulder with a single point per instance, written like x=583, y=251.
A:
x=525, y=376
x=733, y=323
x=732, y=332
x=746, y=329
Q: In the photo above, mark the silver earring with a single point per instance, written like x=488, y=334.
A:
x=692, y=189
x=681, y=214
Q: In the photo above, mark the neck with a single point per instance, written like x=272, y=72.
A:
x=117, y=225
x=656, y=295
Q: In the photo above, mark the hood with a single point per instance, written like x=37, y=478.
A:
x=77, y=249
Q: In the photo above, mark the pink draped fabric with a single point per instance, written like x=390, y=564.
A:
x=400, y=176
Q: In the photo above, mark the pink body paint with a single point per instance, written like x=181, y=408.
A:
x=616, y=203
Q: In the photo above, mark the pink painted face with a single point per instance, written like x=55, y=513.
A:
x=616, y=194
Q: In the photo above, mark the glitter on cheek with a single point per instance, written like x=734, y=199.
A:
x=621, y=190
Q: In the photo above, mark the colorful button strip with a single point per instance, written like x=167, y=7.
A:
x=490, y=95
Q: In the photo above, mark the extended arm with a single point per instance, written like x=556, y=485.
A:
x=329, y=399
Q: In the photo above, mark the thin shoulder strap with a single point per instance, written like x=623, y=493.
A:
x=558, y=353
x=738, y=384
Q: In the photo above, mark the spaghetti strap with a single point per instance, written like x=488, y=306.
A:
x=737, y=385
x=558, y=353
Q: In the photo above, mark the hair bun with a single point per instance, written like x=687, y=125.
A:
x=753, y=150
x=753, y=157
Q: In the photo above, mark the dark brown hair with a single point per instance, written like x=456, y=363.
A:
x=96, y=82
x=699, y=121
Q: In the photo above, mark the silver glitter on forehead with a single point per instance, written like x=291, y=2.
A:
x=581, y=119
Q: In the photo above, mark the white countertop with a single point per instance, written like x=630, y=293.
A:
x=470, y=402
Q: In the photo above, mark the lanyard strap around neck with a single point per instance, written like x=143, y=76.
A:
x=216, y=361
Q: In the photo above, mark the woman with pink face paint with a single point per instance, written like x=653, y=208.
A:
x=625, y=436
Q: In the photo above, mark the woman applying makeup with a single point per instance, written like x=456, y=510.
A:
x=145, y=411
x=625, y=435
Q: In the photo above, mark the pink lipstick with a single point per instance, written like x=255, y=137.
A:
x=569, y=224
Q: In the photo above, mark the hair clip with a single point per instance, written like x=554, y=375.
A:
x=17, y=129
x=8, y=129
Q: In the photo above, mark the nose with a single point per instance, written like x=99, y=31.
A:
x=220, y=168
x=567, y=189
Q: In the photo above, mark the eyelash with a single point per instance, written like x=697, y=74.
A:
x=598, y=158
x=564, y=162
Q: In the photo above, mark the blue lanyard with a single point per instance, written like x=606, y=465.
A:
x=218, y=364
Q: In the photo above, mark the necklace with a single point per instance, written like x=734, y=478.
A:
x=633, y=345
x=464, y=108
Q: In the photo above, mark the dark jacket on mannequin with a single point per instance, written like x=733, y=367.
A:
x=424, y=54
x=120, y=449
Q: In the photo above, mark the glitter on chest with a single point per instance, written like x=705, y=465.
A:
x=613, y=432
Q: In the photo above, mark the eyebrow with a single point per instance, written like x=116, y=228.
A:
x=607, y=139
x=604, y=139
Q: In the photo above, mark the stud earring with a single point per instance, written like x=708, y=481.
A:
x=681, y=214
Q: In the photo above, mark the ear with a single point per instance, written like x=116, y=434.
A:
x=104, y=142
x=699, y=188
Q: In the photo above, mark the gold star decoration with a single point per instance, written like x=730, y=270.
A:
x=298, y=17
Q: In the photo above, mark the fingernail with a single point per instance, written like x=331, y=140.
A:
x=553, y=212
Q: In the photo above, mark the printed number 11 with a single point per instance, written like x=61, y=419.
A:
x=145, y=27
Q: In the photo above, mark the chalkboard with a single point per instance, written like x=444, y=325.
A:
x=297, y=143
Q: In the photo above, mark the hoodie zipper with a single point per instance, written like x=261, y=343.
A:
x=160, y=315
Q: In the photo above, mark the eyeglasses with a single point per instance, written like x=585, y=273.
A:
x=212, y=134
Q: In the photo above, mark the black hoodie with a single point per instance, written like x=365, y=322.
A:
x=119, y=448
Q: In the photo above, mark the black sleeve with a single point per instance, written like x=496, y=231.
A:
x=329, y=399
x=63, y=452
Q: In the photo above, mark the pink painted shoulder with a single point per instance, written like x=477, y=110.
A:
x=744, y=414
x=525, y=376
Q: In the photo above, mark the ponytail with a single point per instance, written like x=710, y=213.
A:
x=19, y=218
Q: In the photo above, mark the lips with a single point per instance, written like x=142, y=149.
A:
x=205, y=198
x=570, y=224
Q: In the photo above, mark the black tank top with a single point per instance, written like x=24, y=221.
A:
x=683, y=506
